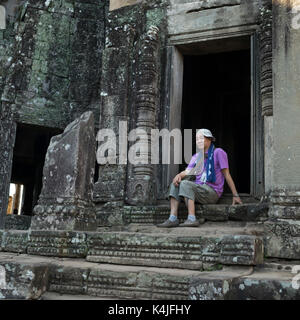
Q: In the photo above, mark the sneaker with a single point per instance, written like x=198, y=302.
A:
x=189, y=223
x=169, y=224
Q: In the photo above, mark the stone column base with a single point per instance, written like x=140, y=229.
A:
x=79, y=216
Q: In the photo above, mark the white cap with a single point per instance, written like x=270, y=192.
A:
x=207, y=133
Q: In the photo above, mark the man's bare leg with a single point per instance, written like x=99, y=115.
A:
x=191, y=207
x=172, y=221
x=174, y=206
x=190, y=204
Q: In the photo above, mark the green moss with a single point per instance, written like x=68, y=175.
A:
x=155, y=17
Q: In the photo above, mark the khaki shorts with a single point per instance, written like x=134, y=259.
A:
x=203, y=194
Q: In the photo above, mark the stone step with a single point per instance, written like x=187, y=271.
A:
x=112, y=214
x=232, y=243
x=32, y=277
x=186, y=248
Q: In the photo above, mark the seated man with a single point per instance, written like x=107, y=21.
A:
x=207, y=187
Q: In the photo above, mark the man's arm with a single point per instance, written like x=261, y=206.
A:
x=229, y=180
x=179, y=177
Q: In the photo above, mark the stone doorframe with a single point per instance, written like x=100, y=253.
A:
x=174, y=82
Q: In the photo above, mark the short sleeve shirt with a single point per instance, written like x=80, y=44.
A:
x=220, y=162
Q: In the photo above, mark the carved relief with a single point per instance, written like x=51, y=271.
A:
x=141, y=180
x=265, y=34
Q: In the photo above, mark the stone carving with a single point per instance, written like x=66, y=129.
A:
x=141, y=178
x=65, y=202
x=265, y=34
x=57, y=243
x=15, y=241
x=187, y=252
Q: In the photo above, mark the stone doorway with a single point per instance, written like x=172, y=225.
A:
x=214, y=85
x=28, y=160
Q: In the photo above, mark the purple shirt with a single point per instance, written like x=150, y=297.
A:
x=221, y=162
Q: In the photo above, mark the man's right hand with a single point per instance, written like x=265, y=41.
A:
x=177, y=180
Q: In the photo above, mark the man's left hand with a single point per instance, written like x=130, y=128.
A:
x=236, y=200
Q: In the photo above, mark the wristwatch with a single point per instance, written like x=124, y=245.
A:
x=235, y=195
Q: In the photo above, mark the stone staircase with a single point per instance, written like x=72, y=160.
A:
x=133, y=259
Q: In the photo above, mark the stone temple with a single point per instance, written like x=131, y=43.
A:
x=73, y=227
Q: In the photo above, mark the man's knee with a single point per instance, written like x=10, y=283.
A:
x=184, y=183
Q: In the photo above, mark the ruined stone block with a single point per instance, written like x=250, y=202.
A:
x=17, y=222
x=23, y=280
x=282, y=239
x=242, y=284
x=57, y=243
x=15, y=241
x=65, y=202
x=182, y=250
x=215, y=212
x=68, y=280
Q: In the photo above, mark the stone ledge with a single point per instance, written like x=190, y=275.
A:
x=14, y=241
x=24, y=278
x=109, y=216
x=194, y=248
x=57, y=243
x=260, y=285
x=168, y=250
x=29, y=277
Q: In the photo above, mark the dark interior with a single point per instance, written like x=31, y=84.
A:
x=29, y=155
x=217, y=96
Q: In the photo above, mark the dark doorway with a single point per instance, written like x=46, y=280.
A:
x=217, y=96
x=29, y=155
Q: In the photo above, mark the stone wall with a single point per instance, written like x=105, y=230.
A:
x=56, y=68
x=283, y=232
x=50, y=63
x=122, y=66
x=50, y=69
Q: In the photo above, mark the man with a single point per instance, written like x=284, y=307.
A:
x=209, y=181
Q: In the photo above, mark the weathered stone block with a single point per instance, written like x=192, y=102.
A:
x=135, y=283
x=235, y=284
x=15, y=241
x=57, y=243
x=110, y=214
x=282, y=239
x=23, y=280
x=182, y=250
x=17, y=222
x=65, y=202
x=68, y=280
x=215, y=212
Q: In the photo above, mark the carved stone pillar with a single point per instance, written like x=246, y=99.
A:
x=283, y=231
x=265, y=35
x=266, y=89
x=141, y=177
